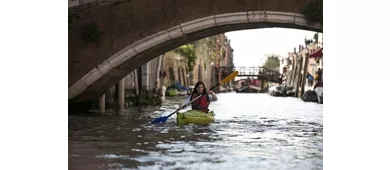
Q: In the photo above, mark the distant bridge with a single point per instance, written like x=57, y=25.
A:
x=259, y=72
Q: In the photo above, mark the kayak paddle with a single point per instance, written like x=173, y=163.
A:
x=226, y=79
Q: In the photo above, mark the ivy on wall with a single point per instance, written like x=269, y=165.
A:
x=207, y=44
x=188, y=50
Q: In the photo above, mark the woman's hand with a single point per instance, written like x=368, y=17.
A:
x=213, y=95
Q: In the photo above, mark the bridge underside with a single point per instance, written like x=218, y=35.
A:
x=94, y=91
x=131, y=27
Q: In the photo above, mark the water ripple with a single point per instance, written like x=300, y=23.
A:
x=252, y=131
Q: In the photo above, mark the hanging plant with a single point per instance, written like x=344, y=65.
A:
x=91, y=32
x=313, y=11
x=315, y=37
x=308, y=41
x=72, y=15
x=317, y=59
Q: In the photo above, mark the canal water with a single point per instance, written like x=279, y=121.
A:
x=252, y=131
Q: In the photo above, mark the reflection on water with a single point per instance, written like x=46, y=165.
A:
x=252, y=131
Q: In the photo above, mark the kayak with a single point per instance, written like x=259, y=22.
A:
x=194, y=117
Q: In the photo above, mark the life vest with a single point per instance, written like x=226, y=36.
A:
x=201, y=103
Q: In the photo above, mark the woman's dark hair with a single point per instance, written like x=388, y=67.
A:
x=196, y=89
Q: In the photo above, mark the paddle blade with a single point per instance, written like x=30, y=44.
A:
x=229, y=77
x=160, y=119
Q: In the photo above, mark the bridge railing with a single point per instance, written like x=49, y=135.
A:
x=247, y=70
x=269, y=74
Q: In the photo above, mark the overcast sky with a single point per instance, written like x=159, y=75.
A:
x=250, y=46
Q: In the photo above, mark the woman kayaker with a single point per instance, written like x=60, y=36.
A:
x=203, y=102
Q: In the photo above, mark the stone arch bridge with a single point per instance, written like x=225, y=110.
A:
x=108, y=41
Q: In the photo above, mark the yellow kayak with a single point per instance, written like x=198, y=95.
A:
x=195, y=117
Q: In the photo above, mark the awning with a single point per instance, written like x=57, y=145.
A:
x=317, y=53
